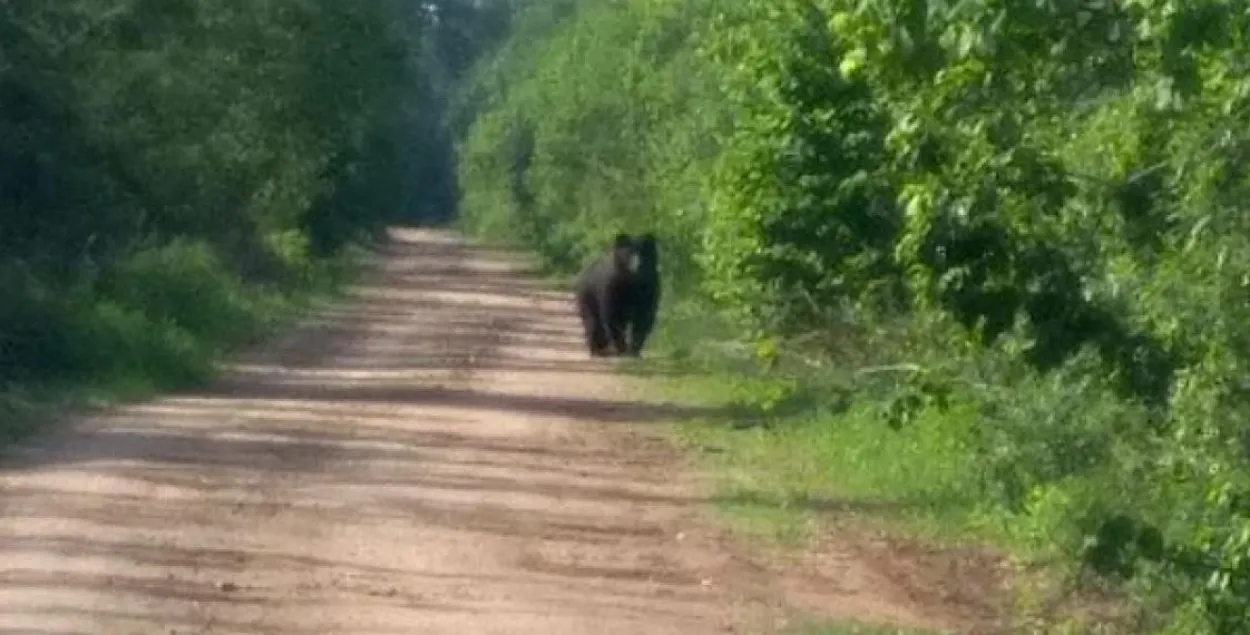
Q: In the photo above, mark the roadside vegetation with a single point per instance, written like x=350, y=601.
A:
x=177, y=177
x=975, y=270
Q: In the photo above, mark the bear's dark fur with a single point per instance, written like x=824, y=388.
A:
x=618, y=296
x=643, y=302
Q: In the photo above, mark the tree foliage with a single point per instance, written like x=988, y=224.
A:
x=1042, y=202
x=164, y=164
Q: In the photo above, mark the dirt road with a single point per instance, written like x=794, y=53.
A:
x=435, y=455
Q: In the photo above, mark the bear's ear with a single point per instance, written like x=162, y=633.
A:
x=622, y=240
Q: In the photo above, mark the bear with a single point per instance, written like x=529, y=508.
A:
x=618, y=296
x=643, y=294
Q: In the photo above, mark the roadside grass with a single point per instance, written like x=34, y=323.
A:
x=162, y=323
x=799, y=448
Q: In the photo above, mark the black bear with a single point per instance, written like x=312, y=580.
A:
x=644, y=294
x=618, y=296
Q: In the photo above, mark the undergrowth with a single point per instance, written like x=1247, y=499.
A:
x=803, y=445
x=161, y=322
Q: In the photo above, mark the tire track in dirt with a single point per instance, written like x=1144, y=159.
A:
x=435, y=455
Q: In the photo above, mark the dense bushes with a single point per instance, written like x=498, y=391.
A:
x=1041, y=205
x=169, y=171
x=565, y=157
